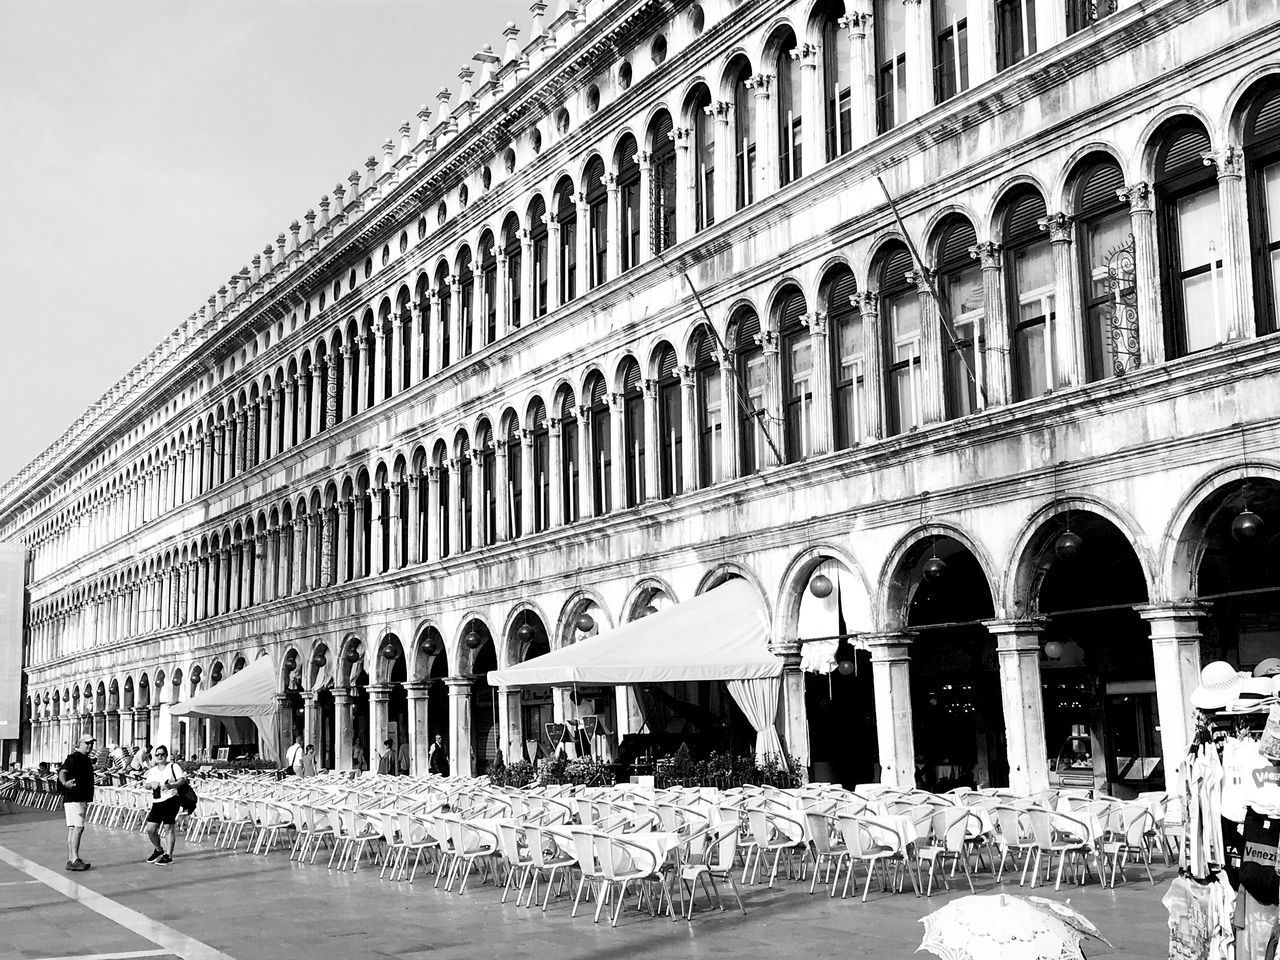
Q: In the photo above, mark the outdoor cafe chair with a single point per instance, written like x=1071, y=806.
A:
x=776, y=833
x=868, y=849
x=948, y=829
x=589, y=870
x=417, y=837
x=1013, y=835
x=717, y=846
x=1051, y=838
x=518, y=860
x=547, y=862
x=391, y=841
x=828, y=846
x=1130, y=838
x=471, y=843
x=623, y=862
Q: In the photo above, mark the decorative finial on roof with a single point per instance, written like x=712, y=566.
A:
x=511, y=49
x=256, y=275
x=537, y=8
x=424, y=118
x=281, y=250
x=294, y=229
x=268, y=257
x=324, y=212
x=338, y=193
x=353, y=178
x=388, y=155
x=310, y=217
x=406, y=144
x=443, y=98
x=371, y=172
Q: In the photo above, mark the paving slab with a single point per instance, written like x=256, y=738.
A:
x=245, y=907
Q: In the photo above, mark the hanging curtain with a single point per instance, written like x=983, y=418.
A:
x=821, y=617
x=758, y=700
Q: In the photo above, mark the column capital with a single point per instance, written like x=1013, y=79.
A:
x=760, y=83
x=1016, y=635
x=816, y=321
x=1229, y=161
x=459, y=686
x=308, y=696
x=889, y=647
x=870, y=305
x=856, y=23
x=1137, y=195
x=341, y=695
x=650, y=389
x=1178, y=618
x=417, y=689
x=1058, y=226
x=381, y=692
x=767, y=340
x=988, y=255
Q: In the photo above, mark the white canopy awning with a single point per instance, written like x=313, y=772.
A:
x=249, y=693
x=722, y=634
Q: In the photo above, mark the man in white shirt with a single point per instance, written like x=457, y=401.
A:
x=293, y=758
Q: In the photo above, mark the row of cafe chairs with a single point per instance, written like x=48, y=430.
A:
x=598, y=844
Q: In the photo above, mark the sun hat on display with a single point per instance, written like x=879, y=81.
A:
x=1269, y=667
x=1269, y=744
x=1254, y=695
x=1219, y=683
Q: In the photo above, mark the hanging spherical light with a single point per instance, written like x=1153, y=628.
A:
x=1067, y=545
x=353, y=655
x=319, y=659
x=585, y=622
x=431, y=645
x=390, y=651
x=524, y=633
x=820, y=586
x=1246, y=526
x=473, y=640
x=1053, y=650
x=845, y=654
x=935, y=568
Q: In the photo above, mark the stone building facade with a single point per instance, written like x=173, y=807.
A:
x=632, y=314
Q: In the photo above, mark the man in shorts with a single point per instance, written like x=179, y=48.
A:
x=75, y=776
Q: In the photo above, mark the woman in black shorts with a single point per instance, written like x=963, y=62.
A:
x=163, y=779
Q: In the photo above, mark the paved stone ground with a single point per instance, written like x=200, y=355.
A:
x=248, y=907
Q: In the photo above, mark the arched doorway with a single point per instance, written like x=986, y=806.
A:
x=391, y=722
x=584, y=617
x=292, y=715
x=354, y=682
x=940, y=596
x=479, y=655
x=838, y=693
x=319, y=721
x=529, y=709
x=429, y=696
x=1081, y=575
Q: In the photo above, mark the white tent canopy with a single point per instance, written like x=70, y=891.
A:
x=249, y=693
x=722, y=634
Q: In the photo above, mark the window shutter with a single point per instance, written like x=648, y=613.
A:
x=631, y=377
x=667, y=364
x=893, y=275
x=596, y=390
x=1266, y=119
x=464, y=446
x=704, y=353
x=748, y=326
x=1180, y=156
x=1021, y=222
x=840, y=295
x=953, y=252
x=567, y=404
x=792, y=310
x=539, y=415
x=1098, y=189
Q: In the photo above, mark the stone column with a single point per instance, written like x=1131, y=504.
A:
x=477, y=499
x=502, y=505
x=1067, y=328
x=378, y=344
x=862, y=93
x=1175, y=649
x=113, y=726
x=1146, y=270
x=434, y=520
x=528, y=279
x=500, y=297
x=290, y=413
x=554, y=265
x=419, y=735
x=379, y=718
x=358, y=567
x=582, y=241
x=258, y=433
x=225, y=583
x=1236, y=260
x=285, y=731
x=652, y=445
x=613, y=260
x=100, y=728
x=618, y=442
x=274, y=563
x=348, y=391
x=242, y=442
x=342, y=729
x=873, y=373
x=461, y=759
x=528, y=483
x=1018, y=646
x=822, y=413
x=1051, y=23
x=236, y=597
x=725, y=181
x=932, y=400
x=375, y=529
x=436, y=332
x=919, y=21
x=457, y=517
x=368, y=385
x=297, y=553
x=995, y=324
x=329, y=410
x=394, y=355
x=344, y=541
x=766, y=131
x=310, y=720
x=793, y=718
x=311, y=566
x=813, y=130
x=278, y=443
x=414, y=519
x=891, y=679
x=768, y=341
x=555, y=476
x=730, y=462
x=416, y=335
x=510, y=725
x=586, y=490
x=457, y=319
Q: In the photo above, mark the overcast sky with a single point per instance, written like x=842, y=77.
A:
x=149, y=148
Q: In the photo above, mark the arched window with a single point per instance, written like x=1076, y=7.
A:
x=538, y=237
x=950, y=48
x=1030, y=282
x=568, y=491
x=703, y=120
x=670, y=425
x=960, y=289
x=633, y=439
x=599, y=424
x=900, y=316
x=489, y=288
x=465, y=499
x=837, y=94
x=744, y=138
x=597, y=197
x=488, y=465
x=629, y=203
x=515, y=477
x=511, y=248
x=424, y=341
x=848, y=357
x=1190, y=227
x=1105, y=246
x=749, y=361
x=404, y=376
x=789, y=111
x=541, y=450
x=567, y=217
x=466, y=303
x=444, y=293
x=1262, y=167
x=889, y=23
x=663, y=183
x=797, y=376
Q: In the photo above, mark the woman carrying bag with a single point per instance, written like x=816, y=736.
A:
x=164, y=778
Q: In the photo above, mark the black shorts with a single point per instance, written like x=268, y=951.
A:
x=164, y=811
